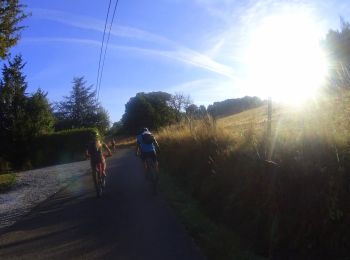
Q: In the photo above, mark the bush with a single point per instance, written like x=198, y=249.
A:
x=60, y=147
x=5, y=166
x=7, y=181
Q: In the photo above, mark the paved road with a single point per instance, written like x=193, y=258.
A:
x=128, y=223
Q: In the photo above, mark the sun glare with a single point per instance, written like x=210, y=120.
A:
x=285, y=60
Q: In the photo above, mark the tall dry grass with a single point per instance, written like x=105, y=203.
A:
x=297, y=206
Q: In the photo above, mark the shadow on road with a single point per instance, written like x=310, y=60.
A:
x=128, y=222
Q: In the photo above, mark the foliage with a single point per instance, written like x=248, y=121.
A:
x=337, y=47
x=116, y=129
x=179, y=103
x=7, y=181
x=11, y=14
x=60, y=147
x=297, y=207
x=233, y=106
x=215, y=240
x=22, y=117
x=148, y=110
x=81, y=109
x=195, y=112
x=40, y=115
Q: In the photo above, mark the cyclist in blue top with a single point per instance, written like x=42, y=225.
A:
x=148, y=146
x=139, y=141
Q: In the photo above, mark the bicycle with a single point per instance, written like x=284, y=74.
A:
x=99, y=178
x=152, y=174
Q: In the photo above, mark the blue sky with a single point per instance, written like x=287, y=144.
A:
x=191, y=46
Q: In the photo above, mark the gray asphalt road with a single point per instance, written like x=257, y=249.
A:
x=128, y=222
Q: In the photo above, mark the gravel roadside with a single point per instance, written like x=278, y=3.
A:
x=34, y=186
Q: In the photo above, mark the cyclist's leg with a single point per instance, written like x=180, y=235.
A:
x=104, y=165
x=93, y=173
x=155, y=160
x=143, y=158
x=93, y=169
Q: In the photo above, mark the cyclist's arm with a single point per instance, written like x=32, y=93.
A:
x=108, y=150
x=156, y=145
x=138, y=146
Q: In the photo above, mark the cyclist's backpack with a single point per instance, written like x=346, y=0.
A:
x=147, y=138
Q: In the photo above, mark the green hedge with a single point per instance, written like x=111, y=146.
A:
x=60, y=147
x=7, y=181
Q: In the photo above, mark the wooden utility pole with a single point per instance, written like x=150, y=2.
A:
x=269, y=128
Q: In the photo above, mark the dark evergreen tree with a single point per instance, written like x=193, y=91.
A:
x=40, y=115
x=12, y=105
x=20, y=116
x=81, y=109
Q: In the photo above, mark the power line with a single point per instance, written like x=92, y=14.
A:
x=103, y=40
x=104, y=56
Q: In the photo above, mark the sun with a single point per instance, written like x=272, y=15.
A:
x=284, y=58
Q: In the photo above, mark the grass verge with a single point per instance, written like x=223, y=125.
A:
x=216, y=241
x=126, y=142
x=7, y=181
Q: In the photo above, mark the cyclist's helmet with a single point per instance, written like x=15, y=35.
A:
x=145, y=129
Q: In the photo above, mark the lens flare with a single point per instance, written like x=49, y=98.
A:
x=285, y=60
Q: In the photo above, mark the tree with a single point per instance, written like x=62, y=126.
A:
x=11, y=14
x=179, y=102
x=22, y=118
x=40, y=116
x=81, y=109
x=13, y=104
x=148, y=110
x=233, y=106
x=337, y=46
x=116, y=129
x=102, y=120
x=195, y=112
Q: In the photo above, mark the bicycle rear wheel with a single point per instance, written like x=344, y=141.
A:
x=100, y=181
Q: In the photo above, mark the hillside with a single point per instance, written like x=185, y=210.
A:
x=325, y=118
x=299, y=206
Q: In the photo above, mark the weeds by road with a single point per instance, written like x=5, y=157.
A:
x=216, y=241
x=299, y=208
x=7, y=181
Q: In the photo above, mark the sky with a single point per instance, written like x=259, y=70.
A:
x=195, y=47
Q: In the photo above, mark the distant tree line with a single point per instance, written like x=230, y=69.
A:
x=158, y=109
x=152, y=110
x=233, y=106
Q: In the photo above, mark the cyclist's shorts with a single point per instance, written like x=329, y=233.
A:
x=151, y=155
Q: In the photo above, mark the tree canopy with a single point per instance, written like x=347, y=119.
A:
x=22, y=117
x=11, y=14
x=337, y=45
x=232, y=106
x=148, y=110
x=81, y=109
